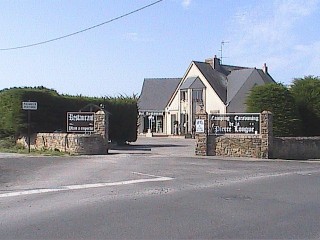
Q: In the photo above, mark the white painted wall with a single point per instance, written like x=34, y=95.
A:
x=212, y=102
x=169, y=128
x=172, y=108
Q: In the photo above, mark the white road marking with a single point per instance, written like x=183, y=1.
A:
x=144, y=174
x=87, y=186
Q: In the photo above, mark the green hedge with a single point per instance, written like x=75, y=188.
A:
x=279, y=100
x=52, y=109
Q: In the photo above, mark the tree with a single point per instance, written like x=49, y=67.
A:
x=277, y=99
x=306, y=92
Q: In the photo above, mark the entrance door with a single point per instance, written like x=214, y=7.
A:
x=159, y=124
x=184, y=123
x=173, y=125
x=145, y=124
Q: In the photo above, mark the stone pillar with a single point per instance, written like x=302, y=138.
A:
x=266, y=135
x=102, y=125
x=202, y=137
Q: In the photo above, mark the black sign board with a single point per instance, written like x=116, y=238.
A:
x=242, y=123
x=80, y=122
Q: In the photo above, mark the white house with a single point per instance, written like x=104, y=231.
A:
x=209, y=85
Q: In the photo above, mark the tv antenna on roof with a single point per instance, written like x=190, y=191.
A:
x=221, y=47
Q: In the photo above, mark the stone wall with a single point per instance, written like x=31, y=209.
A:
x=236, y=146
x=262, y=145
x=201, y=138
x=296, y=147
x=266, y=134
x=71, y=143
x=74, y=143
x=102, y=124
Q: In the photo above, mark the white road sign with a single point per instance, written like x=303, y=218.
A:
x=199, y=125
x=29, y=105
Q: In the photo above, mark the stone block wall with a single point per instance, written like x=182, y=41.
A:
x=296, y=147
x=201, y=138
x=101, y=124
x=266, y=123
x=238, y=145
x=201, y=145
x=263, y=145
x=74, y=143
x=235, y=146
x=71, y=143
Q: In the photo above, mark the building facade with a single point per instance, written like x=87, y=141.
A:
x=152, y=103
x=169, y=106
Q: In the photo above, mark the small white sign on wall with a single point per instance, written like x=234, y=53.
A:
x=199, y=125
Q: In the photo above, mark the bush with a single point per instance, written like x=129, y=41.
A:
x=7, y=143
x=306, y=92
x=52, y=110
x=277, y=99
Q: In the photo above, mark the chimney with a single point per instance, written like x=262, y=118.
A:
x=210, y=61
x=265, y=68
x=216, y=63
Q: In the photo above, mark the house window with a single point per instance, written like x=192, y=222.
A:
x=184, y=95
x=197, y=95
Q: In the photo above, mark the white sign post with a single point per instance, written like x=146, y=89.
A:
x=29, y=106
x=199, y=126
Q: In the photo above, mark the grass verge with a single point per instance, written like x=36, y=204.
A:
x=8, y=145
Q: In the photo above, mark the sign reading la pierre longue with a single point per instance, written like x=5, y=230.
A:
x=232, y=123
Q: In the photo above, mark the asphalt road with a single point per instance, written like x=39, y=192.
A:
x=158, y=190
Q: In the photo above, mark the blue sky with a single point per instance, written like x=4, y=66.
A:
x=160, y=41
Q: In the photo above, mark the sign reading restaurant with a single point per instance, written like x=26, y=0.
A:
x=80, y=122
x=233, y=123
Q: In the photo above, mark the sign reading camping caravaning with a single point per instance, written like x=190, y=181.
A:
x=80, y=122
x=233, y=123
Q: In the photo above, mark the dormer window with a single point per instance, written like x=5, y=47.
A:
x=184, y=95
x=197, y=95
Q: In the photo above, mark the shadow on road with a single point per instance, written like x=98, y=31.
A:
x=145, y=147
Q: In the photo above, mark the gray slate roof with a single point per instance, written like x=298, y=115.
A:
x=156, y=93
x=215, y=78
x=235, y=80
x=227, y=69
x=240, y=82
x=192, y=83
x=228, y=80
x=231, y=83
